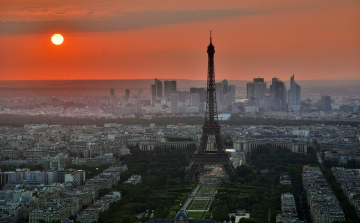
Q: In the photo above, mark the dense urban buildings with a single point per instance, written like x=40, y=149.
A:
x=166, y=150
x=40, y=185
x=324, y=206
x=349, y=180
x=55, y=146
x=288, y=208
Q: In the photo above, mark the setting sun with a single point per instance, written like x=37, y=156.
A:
x=57, y=39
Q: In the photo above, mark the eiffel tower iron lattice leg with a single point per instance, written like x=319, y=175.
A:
x=211, y=128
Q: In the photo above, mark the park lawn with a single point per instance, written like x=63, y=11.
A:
x=198, y=204
x=195, y=215
x=207, y=189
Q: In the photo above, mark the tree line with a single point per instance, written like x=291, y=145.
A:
x=15, y=120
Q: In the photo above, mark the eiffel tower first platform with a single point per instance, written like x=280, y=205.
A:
x=211, y=128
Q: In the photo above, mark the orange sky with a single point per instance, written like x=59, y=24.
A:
x=142, y=39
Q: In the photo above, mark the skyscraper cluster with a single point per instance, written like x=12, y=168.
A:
x=225, y=95
x=157, y=97
x=275, y=98
x=192, y=101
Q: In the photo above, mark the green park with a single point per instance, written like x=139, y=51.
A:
x=256, y=188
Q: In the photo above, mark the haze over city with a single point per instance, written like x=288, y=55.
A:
x=162, y=111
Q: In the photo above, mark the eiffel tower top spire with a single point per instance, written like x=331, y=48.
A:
x=211, y=46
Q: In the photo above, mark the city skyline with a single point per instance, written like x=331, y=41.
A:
x=160, y=39
x=63, y=145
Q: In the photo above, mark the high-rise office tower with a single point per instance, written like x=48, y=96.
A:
x=294, y=93
x=256, y=92
x=201, y=91
x=112, y=96
x=112, y=93
x=225, y=90
x=232, y=93
x=158, y=84
x=250, y=90
x=279, y=89
x=325, y=103
x=219, y=94
x=127, y=94
x=169, y=88
x=183, y=96
x=269, y=99
x=153, y=94
x=195, y=100
x=174, y=100
x=225, y=85
x=140, y=93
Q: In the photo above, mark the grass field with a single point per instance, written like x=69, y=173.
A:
x=195, y=215
x=207, y=189
x=198, y=204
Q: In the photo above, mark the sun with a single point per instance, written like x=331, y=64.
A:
x=57, y=39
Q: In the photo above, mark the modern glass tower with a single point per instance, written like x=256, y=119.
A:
x=294, y=93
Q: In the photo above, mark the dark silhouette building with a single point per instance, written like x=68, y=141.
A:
x=127, y=94
x=279, y=89
x=153, y=94
x=256, y=92
x=225, y=85
x=347, y=108
x=112, y=93
x=325, y=103
x=294, y=93
x=169, y=88
x=159, y=88
x=140, y=94
x=200, y=91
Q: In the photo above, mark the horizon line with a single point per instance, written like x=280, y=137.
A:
x=335, y=78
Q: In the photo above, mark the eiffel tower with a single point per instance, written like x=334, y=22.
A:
x=211, y=128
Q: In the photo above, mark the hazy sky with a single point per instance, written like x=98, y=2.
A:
x=142, y=39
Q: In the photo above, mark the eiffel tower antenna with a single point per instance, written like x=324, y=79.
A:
x=211, y=127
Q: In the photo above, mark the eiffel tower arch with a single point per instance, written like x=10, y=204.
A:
x=211, y=127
